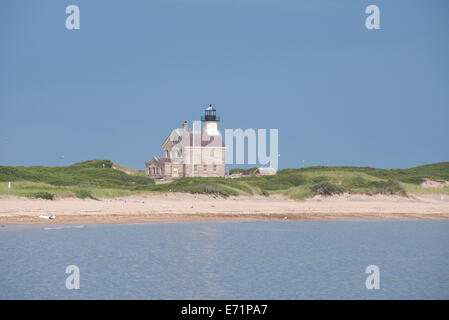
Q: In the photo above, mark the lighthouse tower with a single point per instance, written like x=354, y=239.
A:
x=210, y=121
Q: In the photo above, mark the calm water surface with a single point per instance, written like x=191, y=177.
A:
x=227, y=260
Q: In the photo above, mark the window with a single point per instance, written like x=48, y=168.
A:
x=215, y=167
x=195, y=167
x=205, y=168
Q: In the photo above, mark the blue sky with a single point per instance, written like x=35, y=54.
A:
x=338, y=93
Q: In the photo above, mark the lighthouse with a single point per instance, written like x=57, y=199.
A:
x=190, y=153
x=210, y=121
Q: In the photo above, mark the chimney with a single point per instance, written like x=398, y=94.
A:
x=185, y=126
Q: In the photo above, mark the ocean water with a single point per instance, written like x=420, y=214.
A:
x=227, y=260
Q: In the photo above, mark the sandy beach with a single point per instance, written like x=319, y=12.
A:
x=180, y=207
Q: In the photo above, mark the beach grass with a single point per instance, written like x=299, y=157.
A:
x=97, y=179
x=417, y=189
x=30, y=189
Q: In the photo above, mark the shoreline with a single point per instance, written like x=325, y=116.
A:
x=181, y=218
x=182, y=207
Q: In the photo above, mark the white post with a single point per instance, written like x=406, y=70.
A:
x=9, y=186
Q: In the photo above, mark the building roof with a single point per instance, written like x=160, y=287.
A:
x=161, y=160
x=196, y=139
x=209, y=108
x=201, y=139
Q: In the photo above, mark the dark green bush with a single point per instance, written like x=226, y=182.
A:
x=83, y=194
x=44, y=195
x=389, y=187
x=249, y=171
x=326, y=189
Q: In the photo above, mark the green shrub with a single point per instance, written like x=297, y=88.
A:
x=276, y=182
x=44, y=195
x=207, y=189
x=326, y=189
x=390, y=187
x=249, y=171
x=320, y=179
x=83, y=194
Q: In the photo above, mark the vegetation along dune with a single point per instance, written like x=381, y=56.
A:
x=101, y=191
